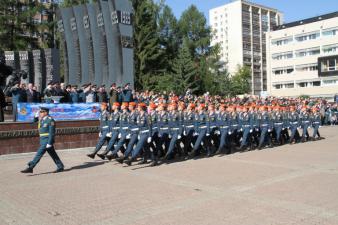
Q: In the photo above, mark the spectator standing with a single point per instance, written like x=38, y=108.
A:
x=32, y=96
x=74, y=95
x=102, y=94
x=113, y=94
x=38, y=94
x=127, y=95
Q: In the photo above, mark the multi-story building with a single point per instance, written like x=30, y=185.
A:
x=303, y=57
x=239, y=28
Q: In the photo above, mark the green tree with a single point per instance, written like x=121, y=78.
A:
x=168, y=34
x=240, y=81
x=184, y=71
x=193, y=27
x=148, y=55
x=18, y=30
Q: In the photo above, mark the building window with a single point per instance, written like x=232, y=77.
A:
x=330, y=32
x=290, y=85
x=316, y=84
x=329, y=65
x=306, y=37
x=328, y=49
x=307, y=52
x=307, y=67
x=281, y=56
x=329, y=82
x=303, y=84
x=280, y=42
x=284, y=70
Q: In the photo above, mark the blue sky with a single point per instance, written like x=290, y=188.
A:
x=292, y=9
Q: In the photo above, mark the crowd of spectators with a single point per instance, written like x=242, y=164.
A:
x=89, y=93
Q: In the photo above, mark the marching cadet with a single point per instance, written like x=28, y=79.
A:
x=163, y=130
x=114, y=127
x=223, y=129
x=286, y=124
x=278, y=122
x=104, y=130
x=46, y=128
x=200, y=128
x=174, y=129
x=293, y=120
x=180, y=137
x=246, y=125
x=189, y=120
x=304, y=123
x=315, y=121
x=144, y=136
x=124, y=127
x=132, y=132
x=154, y=128
x=264, y=121
x=234, y=126
x=211, y=139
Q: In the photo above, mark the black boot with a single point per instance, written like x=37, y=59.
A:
x=101, y=156
x=120, y=160
x=129, y=161
x=27, y=170
x=91, y=155
x=59, y=170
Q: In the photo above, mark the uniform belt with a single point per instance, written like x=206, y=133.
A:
x=190, y=126
x=105, y=126
x=125, y=128
x=265, y=124
x=203, y=127
x=164, y=128
x=135, y=129
x=44, y=134
x=294, y=122
x=307, y=121
x=224, y=127
x=316, y=122
x=175, y=128
x=116, y=128
x=213, y=127
x=144, y=131
x=235, y=125
x=278, y=123
x=246, y=125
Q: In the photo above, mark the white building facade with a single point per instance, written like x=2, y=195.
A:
x=239, y=28
x=303, y=58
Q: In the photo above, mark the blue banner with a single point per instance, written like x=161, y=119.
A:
x=78, y=111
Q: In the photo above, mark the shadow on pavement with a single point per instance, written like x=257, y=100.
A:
x=85, y=165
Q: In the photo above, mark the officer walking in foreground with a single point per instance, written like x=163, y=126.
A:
x=47, y=137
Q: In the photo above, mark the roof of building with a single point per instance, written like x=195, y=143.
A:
x=307, y=21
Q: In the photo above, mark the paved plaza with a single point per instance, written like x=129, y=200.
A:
x=292, y=184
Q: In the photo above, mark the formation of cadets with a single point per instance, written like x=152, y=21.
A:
x=166, y=131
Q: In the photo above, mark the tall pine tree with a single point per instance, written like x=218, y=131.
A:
x=184, y=71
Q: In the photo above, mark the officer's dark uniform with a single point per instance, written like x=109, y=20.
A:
x=246, y=127
x=278, y=124
x=189, y=119
x=315, y=121
x=123, y=131
x=46, y=128
x=294, y=124
x=200, y=128
x=305, y=123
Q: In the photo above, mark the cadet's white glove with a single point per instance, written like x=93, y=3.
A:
x=109, y=134
x=128, y=136
x=241, y=129
x=100, y=134
x=251, y=130
x=159, y=135
x=169, y=136
x=195, y=134
x=217, y=132
x=300, y=127
x=207, y=134
x=269, y=130
x=149, y=139
x=257, y=129
x=36, y=115
x=119, y=136
x=48, y=146
x=139, y=137
x=179, y=137
x=229, y=132
x=184, y=133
